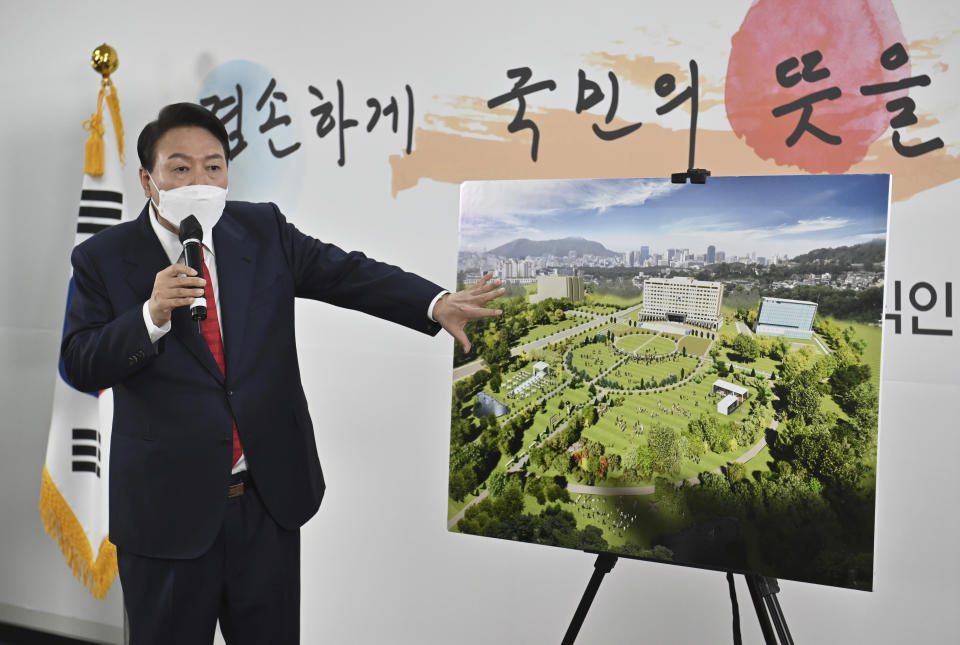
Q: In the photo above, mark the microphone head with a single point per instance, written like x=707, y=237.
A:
x=190, y=229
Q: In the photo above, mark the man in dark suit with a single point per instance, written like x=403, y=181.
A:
x=213, y=465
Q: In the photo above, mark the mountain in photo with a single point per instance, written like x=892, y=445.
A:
x=871, y=252
x=523, y=247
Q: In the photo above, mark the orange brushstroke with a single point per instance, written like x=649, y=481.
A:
x=473, y=142
x=569, y=149
x=926, y=48
x=641, y=71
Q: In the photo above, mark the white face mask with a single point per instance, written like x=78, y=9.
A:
x=205, y=202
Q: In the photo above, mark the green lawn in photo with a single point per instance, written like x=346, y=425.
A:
x=729, y=325
x=630, y=338
x=695, y=345
x=760, y=462
x=827, y=404
x=542, y=331
x=595, y=358
x=630, y=373
x=870, y=335
x=623, y=329
x=642, y=409
x=548, y=354
x=620, y=302
x=675, y=337
x=645, y=342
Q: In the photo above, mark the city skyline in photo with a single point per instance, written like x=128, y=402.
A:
x=765, y=216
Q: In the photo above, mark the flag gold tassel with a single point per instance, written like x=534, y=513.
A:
x=93, y=161
x=62, y=525
x=113, y=102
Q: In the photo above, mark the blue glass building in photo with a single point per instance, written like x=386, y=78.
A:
x=782, y=317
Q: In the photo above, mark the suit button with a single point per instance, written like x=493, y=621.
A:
x=133, y=360
x=229, y=392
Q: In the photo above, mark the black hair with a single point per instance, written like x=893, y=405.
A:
x=178, y=115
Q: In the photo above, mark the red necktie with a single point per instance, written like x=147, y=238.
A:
x=211, y=333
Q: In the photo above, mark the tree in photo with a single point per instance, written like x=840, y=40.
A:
x=590, y=415
x=736, y=472
x=695, y=445
x=534, y=488
x=556, y=493
x=562, y=462
x=640, y=462
x=844, y=381
x=668, y=450
x=496, y=381
x=763, y=395
x=802, y=394
x=462, y=481
x=497, y=482
x=746, y=346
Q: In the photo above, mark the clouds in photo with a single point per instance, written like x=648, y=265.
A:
x=513, y=209
x=779, y=214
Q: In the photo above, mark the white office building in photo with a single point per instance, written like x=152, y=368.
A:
x=683, y=300
x=558, y=286
x=734, y=395
x=782, y=317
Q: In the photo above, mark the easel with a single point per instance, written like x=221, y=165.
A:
x=763, y=590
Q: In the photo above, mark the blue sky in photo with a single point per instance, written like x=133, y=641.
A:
x=769, y=215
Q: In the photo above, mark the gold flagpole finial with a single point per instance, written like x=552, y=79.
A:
x=104, y=60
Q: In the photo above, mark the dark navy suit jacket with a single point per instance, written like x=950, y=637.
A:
x=171, y=445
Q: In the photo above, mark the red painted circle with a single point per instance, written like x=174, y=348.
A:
x=851, y=37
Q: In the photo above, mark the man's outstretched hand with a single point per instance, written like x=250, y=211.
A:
x=453, y=310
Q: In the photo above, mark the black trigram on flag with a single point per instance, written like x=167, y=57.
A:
x=99, y=209
x=86, y=451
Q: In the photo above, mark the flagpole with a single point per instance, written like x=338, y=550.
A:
x=105, y=61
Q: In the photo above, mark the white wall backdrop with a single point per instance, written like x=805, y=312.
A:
x=378, y=565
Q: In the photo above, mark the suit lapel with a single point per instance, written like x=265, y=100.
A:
x=145, y=259
x=236, y=261
x=187, y=332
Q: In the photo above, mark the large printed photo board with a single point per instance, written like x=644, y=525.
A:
x=682, y=373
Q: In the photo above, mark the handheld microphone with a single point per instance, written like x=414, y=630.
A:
x=191, y=236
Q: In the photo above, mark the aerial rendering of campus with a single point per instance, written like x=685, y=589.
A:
x=681, y=373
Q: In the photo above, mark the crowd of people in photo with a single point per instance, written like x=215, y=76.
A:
x=622, y=425
x=618, y=520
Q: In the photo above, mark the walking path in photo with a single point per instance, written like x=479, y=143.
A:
x=594, y=321
x=598, y=321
